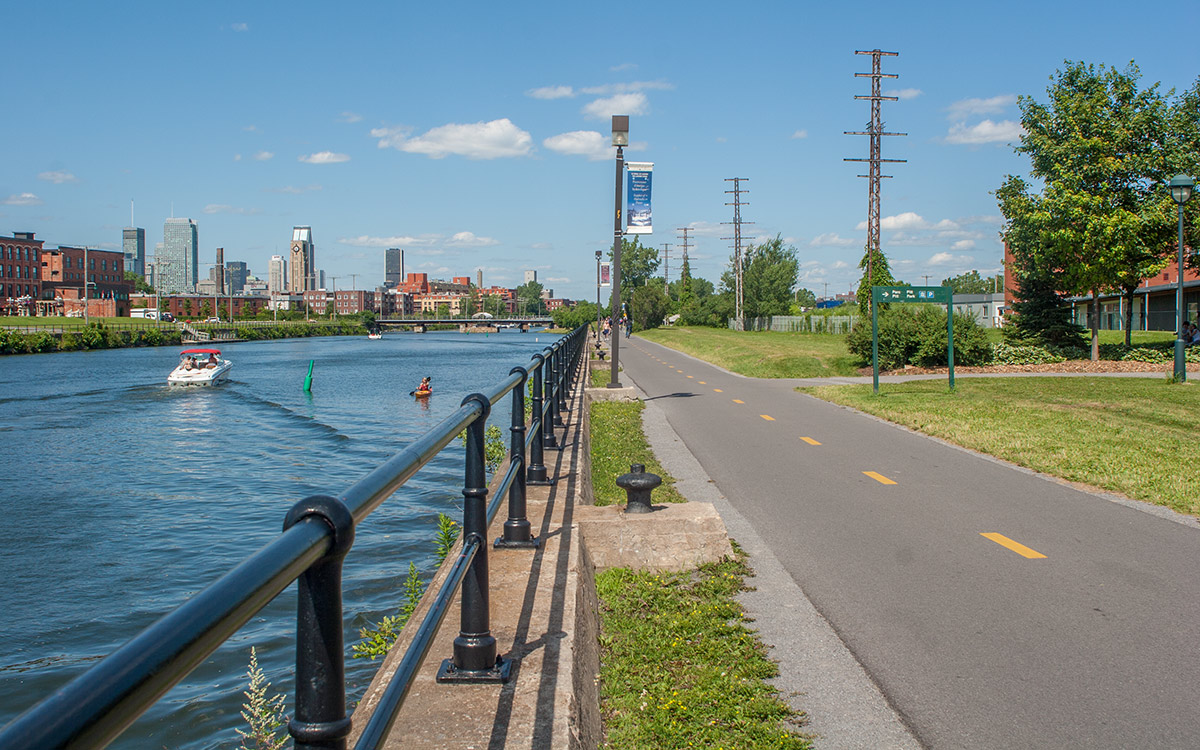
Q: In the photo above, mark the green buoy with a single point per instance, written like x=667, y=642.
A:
x=308, y=377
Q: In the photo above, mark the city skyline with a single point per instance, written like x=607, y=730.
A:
x=493, y=156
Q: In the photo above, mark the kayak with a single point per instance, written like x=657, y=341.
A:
x=422, y=394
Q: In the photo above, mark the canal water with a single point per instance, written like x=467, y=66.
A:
x=123, y=496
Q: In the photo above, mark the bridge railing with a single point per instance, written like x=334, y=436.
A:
x=94, y=708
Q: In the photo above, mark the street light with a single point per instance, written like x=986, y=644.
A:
x=1181, y=189
x=598, y=325
x=620, y=139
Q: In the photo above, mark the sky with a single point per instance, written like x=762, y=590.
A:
x=476, y=136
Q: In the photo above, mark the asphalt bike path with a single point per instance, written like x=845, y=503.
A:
x=993, y=607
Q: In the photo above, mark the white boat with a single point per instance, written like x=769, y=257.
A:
x=200, y=367
x=375, y=335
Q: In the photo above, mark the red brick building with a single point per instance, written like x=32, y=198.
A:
x=20, y=273
x=63, y=279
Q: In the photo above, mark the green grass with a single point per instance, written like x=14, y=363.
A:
x=618, y=442
x=680, y=669
x=1135, y=436
x=601, y=377
x=761, y=354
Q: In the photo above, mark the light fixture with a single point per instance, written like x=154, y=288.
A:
x=1181, y=185
x=620, y=130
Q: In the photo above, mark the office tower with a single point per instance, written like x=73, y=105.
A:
x=133, y=241
x=180, y=256
x=530, y=276
x=479, y=278
x=393, y=267
x=218, y=271
x=277, y=275
x=237, y=272
x=304, y=266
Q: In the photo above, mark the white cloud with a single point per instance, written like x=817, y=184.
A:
x=964, y=108
x=623, y=66
x=904, y=93
x=610, y=89
x=800, y=134
x=350, y=117
x=237, y=157
x=470, y=239
x=558, y=280
x=324, y=157
x=368, y=241
x=241, y=27
x=250, y=128
x=838, y=265
x=23, y=199
x=945, y=225
x=480, y=140
x=619, y=104
x=58, y=178
x=291, y=190
x=831, y=239
x=963, y=245
x=987, y=131
x=222, y=208
x=551, y=92
x=264, y=156
x=589, y=143
x=906, y=220
x=945, y=259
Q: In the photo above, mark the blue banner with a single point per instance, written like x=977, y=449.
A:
x=638, y=212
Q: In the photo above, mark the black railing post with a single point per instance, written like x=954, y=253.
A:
x=517, y=527
x=550, y=402
x=320, y=721
x=558, y=382
x=564, y=363
x=475, y=658
x=536, y=474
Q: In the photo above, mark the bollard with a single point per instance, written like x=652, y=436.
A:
x=638, y=485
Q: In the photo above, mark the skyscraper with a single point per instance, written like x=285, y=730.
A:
x=393, y=267
x=133, y=241
x=530, y=276
x=178, y=265
x=304, y=266
x=237, y=272
x=277, y=275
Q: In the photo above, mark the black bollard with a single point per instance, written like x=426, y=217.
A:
x=638, y=485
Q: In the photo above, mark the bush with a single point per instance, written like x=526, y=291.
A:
x=916, y=335
x=1006, y=354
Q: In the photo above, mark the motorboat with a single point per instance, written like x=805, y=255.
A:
x=375, y=335
x=200, y=367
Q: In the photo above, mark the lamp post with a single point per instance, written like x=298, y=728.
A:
x=620, y=139
x=86, y=300
x=598, y=325
x=1181, y=189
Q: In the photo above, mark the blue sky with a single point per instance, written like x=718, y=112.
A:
x=475, y=135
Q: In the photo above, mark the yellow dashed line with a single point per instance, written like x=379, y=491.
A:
x=738, y=401
x=1017, y=547
x=691, y=376
x=878, y=477
x=679, y=371
x=810, y=441
x=767, y=417
x=701, y=382
x=718, y=390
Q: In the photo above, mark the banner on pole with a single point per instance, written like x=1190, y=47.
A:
x=638, y=212
x=605, y=274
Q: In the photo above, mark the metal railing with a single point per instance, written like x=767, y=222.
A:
x=94, y=708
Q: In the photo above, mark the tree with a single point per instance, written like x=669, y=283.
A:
x=881, y=275
x=443, y=311
x=1040, y=316
x=805, y=299
x=649, y=305
x=969, y=283
x=1099, y=147
x=139, y=282
x=769, y=272
x=638, y=264
x=529, y=298
x=468, y=306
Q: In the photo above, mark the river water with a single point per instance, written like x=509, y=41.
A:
x=123, y=496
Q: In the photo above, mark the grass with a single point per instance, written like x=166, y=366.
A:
x=617, y=442
x=1135, y=436
x=601, y=377
x=761, y=354
x=680, y=669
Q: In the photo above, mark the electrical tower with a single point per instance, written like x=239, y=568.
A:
x=737, y=243
x=667, y=266
x=875, y=130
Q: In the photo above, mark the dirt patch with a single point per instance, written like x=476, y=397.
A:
x=1073, y=366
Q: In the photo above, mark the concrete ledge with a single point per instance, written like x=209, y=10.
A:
x=674, y=537
x=627, y=393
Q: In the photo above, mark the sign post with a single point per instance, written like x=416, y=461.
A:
x=938, y=295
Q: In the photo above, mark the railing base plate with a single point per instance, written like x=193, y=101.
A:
x=502, y=543
x=540, y=482
x=499, y=673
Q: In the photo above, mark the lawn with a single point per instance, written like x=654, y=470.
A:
x=1135, y=436
x=617, y=442
x=761, y=354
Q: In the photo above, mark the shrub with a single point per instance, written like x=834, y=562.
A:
x=916, y=334
x=1006, y=354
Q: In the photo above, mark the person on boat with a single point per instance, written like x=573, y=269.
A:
x=191, y=364
x=425, y=385
x=212, y=361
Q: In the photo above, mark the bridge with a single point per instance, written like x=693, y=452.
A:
x=420, y=325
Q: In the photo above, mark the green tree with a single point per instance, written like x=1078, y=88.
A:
x=638, y=264
x=805, y=299
x=649, y=305
x=881, y=275
x=529, y=298
x=469, y=306
x=769, y=272
x=1040, y=316
x=1099, y=147
x=443, y=311
x=139, y=282
x=969, y=283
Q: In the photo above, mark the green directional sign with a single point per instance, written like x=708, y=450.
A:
x=938, y=295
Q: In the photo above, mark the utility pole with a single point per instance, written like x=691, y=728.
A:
x=875, y=130
x=926, y=277
x=354, y=277
x=667, y=266
x=334, y=278
x=685, y=242
x=737, y=244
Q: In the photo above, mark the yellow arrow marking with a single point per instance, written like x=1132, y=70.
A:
x=1017, y=547
x=878, y=477
x=810, y=441
x=767, y=417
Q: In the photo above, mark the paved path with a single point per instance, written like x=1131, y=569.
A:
x=1075, y=622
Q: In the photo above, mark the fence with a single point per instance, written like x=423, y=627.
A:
x=94, y=708
x=800, y=323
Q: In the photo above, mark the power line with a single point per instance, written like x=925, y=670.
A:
x=737, y=244
x=875, y=130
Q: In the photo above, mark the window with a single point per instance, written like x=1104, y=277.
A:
x=103, y=265
x=91, y=264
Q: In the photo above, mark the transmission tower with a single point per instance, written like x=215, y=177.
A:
x=737, y=243
x=875, y=130
x=667, y=265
